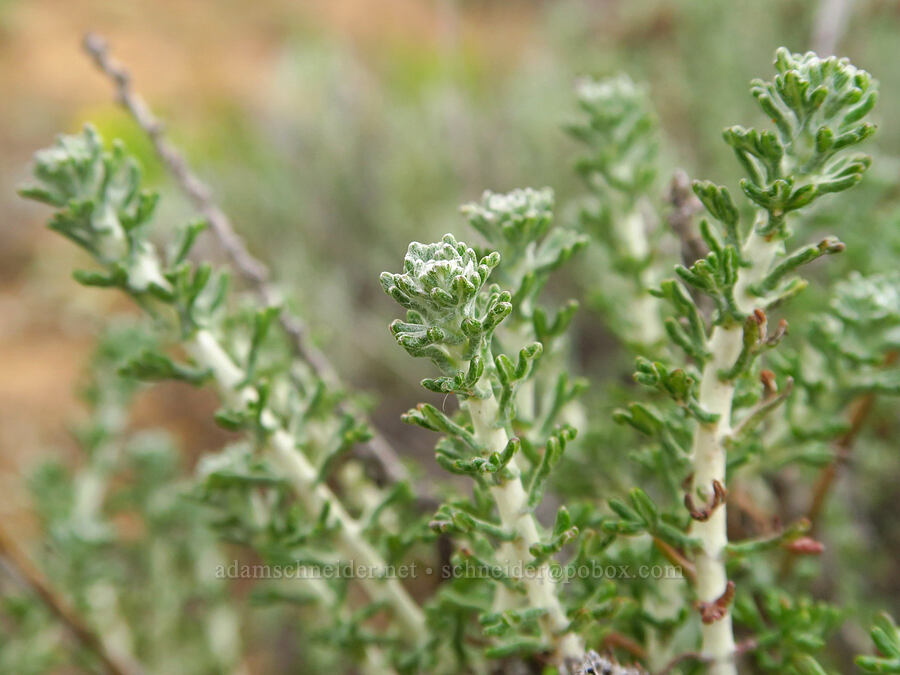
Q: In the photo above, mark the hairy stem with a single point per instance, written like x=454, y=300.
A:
x=512, y=505
x=716, y=396
x=709, y=466
x=314, y=494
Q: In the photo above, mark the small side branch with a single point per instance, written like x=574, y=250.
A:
x=710, y=612
x=862, y=408
x=703, y=513
x=31, y=576
x=625, y=643
x=674, y=556
x=861, y=411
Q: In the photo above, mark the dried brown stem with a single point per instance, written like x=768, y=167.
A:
x=388, y=465
x=861, y=409
x=626, y=643
x=31, y=576
x=860, y=413
x=676, y=557
x=685, y=207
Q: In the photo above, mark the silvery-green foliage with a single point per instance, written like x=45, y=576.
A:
x=818, y=106
x=519, y=225
x=447, y=319
x=845, y=354
x=102, y=208
x=509, y=544
x=619, y=134
x=791, y=629
x=520, y=218
x=507, y=441
x=273, y=494
x=813, y=102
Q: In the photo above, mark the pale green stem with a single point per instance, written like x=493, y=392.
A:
x=301, y=474
x=709, y=465
x=663, y=607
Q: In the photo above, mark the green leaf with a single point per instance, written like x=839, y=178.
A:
x=154, y=365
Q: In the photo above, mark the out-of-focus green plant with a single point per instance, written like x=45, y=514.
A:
x=620, y=137
x=125, y=543
x=886, y=637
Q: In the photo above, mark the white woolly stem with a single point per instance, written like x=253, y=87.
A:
x=512, y=505
x=709, y=457
x=205, y=348
x=709, y=465
x=351, y=541
x=644, y=310
x=315, y=495
x=648, y=325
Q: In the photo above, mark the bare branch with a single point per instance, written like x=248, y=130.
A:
x=387, y=463
x=32, y=578
x=685, y=206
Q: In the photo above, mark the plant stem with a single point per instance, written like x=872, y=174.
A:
x=648, y=326
x=860, y=410
x=716, y=396
x=512, y=505
x=709, y=465
x=113, y=661
x=685, y=207
x=314, y=494
x=675, y=557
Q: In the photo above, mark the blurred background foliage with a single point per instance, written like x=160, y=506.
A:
x=336, y=131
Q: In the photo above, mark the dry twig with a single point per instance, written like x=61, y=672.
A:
x=388, y=465
x=676, y=557
x=31, y=577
